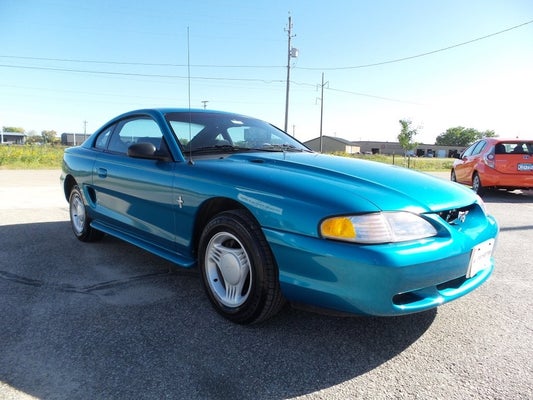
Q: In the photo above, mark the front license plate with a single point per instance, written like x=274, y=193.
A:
x=480, y=257
x=525, y=167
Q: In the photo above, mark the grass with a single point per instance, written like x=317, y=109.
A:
x=49, y=157
x=30, y=157
x=416, y=163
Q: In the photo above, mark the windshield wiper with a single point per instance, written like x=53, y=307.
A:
x=218, y=148
x=280, y=147
x=227, y=148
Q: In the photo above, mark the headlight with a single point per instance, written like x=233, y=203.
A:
x=383, y=227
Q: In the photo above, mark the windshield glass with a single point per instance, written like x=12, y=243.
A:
x=514, y=148
x=211, y=132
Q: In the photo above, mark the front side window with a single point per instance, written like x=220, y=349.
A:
x=469, y=150
x=133, y=131
x=103, y=138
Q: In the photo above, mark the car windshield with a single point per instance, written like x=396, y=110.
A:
x=201, y=132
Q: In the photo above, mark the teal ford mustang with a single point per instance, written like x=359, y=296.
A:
x=268, y=221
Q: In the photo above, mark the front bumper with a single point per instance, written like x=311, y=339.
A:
x=382, y=280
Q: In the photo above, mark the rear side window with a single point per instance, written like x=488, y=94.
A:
x=480, y=146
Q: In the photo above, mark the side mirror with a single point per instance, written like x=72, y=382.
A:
x=147, y=151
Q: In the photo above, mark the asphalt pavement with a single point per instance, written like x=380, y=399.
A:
x=110, y=321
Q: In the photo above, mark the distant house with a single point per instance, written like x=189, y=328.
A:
x=334, y=144
x=12, y=137
x=73, y=139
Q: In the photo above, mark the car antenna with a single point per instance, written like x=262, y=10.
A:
x=190, y=161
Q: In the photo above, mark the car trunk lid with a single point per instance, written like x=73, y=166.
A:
x=514, y=158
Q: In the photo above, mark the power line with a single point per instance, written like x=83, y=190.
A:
x=265, y=81
x=332, y=89
x=372, y=96
x=417, y=55
x=139, y=63
x=139, y=75
x=273, y=66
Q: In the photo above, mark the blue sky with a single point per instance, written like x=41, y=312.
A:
x=64, y=62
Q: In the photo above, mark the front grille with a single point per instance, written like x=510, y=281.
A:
x=456, y=215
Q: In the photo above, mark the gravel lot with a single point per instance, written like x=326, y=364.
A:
x=110, y=321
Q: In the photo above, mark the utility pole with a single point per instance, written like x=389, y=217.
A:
x=204, y=102
x=322, y=107
x=84, y=132
x=291, y=53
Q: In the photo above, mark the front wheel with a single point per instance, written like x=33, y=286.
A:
x=238, y=269
x=79, y=220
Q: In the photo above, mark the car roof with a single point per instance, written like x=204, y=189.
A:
x=507, y=140
x=166, y=110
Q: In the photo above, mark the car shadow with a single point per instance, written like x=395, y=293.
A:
x=108, y=320
x=504, y=196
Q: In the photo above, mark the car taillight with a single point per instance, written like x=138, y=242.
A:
x=489, y=160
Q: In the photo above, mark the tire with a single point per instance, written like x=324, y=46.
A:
x=79, y=220
x=238, y=270
x=453, y=177
x=476, y=184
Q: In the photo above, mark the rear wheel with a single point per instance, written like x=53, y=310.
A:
x=79, y=219
x=476, y=184
x=238, y=269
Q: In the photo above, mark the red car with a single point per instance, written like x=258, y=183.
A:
x=495, y=163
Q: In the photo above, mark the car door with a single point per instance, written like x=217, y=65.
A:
x=468, y=161
x=134, y=196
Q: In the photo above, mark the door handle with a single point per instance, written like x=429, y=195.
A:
x=102, y=172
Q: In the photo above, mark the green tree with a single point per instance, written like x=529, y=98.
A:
x=33, y=139
x=461, y=136
x=48, y=136
x=13, y=129
x=407, y=135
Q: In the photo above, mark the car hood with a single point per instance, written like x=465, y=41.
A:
x=351, y=183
